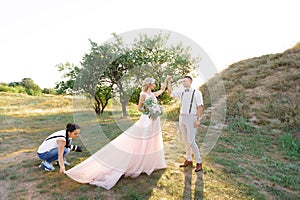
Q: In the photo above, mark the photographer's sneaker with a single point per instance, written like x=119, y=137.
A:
x=65, y=162
x=46, y=166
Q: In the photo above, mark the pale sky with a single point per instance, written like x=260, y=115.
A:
x=36, y=35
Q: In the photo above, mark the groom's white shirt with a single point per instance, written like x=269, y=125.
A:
x=185, y=98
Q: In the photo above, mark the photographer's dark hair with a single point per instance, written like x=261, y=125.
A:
x=189, y=77
x=70, y=128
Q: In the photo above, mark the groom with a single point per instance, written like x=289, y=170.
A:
x=190, y=115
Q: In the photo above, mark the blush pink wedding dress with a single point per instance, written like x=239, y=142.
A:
x=138, y=149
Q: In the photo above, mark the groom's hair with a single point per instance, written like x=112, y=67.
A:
x=189, y=77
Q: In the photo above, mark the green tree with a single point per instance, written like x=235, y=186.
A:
x=115, y=67
x=30, y=87
x=70, y=73
x=102, y=69
x=14, y=84
x=154, y=57
x=49, y=91
x=102, y=96
x=97, y=75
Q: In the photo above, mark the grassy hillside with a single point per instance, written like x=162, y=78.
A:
x=260, y=146
x=268, y=89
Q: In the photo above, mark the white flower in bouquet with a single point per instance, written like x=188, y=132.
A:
x=151, y=108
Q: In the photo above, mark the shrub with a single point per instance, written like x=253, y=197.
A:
x=4, y=87
x=290, y=144
x=236, y=103
x=240, y=125
x=206, y=96
x=13, y=89
x=31, y=87
x=286, y=109
x=49, y=91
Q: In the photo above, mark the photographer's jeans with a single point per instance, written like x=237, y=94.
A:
x=52, y=155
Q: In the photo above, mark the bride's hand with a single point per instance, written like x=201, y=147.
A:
x=168, y=78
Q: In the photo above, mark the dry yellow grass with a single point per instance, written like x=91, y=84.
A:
x=21, y=133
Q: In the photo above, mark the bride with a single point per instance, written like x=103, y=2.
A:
x=138, y=149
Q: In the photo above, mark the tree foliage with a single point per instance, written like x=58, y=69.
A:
x=116, y=68
x=12, y=88
x=30, y=87
x=71, y=72
x=27, y=86
x=153, y=56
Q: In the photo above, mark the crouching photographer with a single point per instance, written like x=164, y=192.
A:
x=56, y=146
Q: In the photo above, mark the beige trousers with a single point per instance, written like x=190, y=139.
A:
x=186, y=125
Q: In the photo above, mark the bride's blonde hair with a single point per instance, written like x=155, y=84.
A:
x=146, y=83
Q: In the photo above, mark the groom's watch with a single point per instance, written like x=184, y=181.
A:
x=199, y=118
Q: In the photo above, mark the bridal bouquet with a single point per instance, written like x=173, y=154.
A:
x=151, y=108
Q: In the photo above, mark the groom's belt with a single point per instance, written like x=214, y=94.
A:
x=187, y=114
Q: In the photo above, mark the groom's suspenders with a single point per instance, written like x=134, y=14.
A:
x=191, y=101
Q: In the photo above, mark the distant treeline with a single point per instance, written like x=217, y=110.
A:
x=27, y=86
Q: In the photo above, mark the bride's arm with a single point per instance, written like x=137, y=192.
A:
x=159, y=92
x=163, y=88
x=142, y=99
x=169, y=87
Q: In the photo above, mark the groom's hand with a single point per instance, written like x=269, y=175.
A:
x=196, y=124
x=168, y=78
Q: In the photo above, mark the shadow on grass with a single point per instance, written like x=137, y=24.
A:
x=58, y=186
x=140, y=187
x=193, y=183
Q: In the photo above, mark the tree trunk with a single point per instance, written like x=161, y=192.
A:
x=124, y=110
x=104, y=105
x=98, y=111
x=123, y=99
x=97, y=106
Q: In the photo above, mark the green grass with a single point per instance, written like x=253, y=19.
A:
x=291, y=145
x=255, y=157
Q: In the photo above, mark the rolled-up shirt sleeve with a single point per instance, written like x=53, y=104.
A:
x=199, y=98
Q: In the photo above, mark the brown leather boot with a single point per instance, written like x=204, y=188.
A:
x=186, y=163
x=198, y=167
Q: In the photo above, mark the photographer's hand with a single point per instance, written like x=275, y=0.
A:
x=78, y=149
x=62, y=170
x=61, y=148
x=75, y=148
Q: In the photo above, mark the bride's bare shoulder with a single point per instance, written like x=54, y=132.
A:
x=143, y=93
